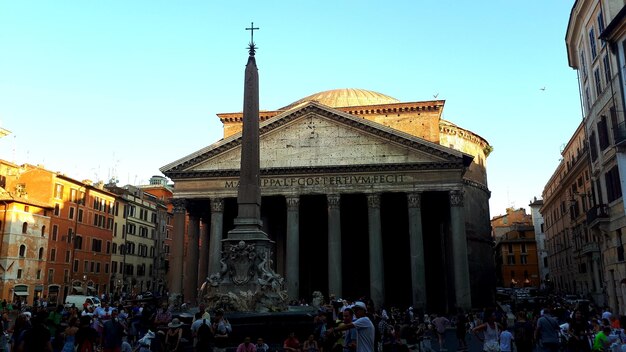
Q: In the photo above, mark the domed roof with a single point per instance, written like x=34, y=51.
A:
x=345, y=97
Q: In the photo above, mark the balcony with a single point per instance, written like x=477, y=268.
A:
x=619, y=134
x=590, y=247
x=597, y=215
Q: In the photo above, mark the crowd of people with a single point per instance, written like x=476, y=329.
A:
x=339, y=326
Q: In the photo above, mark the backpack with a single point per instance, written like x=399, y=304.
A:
x=204, y=335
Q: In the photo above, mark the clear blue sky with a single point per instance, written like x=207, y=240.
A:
x=121, y=88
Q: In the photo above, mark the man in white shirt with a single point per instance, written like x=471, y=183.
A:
x=365, y=331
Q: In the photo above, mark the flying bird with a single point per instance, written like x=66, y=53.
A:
x=542, y=88
x=435, y=95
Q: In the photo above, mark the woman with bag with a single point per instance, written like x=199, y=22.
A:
x=491, y=333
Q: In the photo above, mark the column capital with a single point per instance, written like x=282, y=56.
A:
x=217, y=205
x=334, y=200
x=373, y=200
x=414, y=200
x=293, y=203
x=180, y=205
x=456, y=198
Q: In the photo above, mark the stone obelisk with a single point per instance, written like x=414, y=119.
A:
x=247, y=280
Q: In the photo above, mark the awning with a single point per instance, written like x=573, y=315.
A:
x=21, y=293
x=38, y=288
x=77, y=289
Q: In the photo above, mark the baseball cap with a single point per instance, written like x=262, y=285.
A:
x=359, y=304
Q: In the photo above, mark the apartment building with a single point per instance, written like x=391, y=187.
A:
x=603, y=116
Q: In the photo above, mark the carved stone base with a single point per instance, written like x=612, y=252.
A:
x=246, y=281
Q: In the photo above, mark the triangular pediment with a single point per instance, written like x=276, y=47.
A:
x=316, y=136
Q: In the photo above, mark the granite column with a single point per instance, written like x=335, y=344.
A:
x=416, y=248
x=203, y=265
x=293, y=247
x=377, y=278
x=175, y=286
x=191, y=268
x=215, y=245
x=459, y=250
x=334, y=245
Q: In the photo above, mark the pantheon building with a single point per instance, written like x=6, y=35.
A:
x=363, y=195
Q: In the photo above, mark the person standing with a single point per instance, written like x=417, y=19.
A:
x=222, y=330
x=506, y=340
x=491, y=333
x=365, y=331
x=547, y=332
x=349, y=337
x=37, y=338
x=441, y=323
x=112, y=333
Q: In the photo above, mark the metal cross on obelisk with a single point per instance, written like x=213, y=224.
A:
x=251, y=46
x=247, y=256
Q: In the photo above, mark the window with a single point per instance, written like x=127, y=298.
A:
x=587, y=99
x=25, y=228
x=22, y=251
x=593, y=150
x=66, y=275
x=80, y=215
x=523, y=259
x=97, y=267
x=582, y=64
x=55, y=231
x=613, y=186
x=73, y=193
x=57, y=210
x=43, y=231
x=38, y=274
x=620, y=246
x=510, y=259
x=603, y=133
x=592, y=44
x=598, y=81
x=524, y=248
x=50, y=275
x=71, y=215
x=601, y=25
x=106, y=268
x=113, y=266
x=58, y=191
x=78, y=242
x=85, y=266
x=607, y=69
x=19, y=273
x=67, y=256
x=96, y=245
x=93, y=265
x=40, y=253
x=53, y=254
x=108, y=247
x=114, y=250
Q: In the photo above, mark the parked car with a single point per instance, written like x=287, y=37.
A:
x=80, y=300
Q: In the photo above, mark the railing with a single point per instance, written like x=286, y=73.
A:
x=590, y=247
x=619, y=134
x=597, y=212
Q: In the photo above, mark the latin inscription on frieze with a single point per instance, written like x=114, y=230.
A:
x=322, y=181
